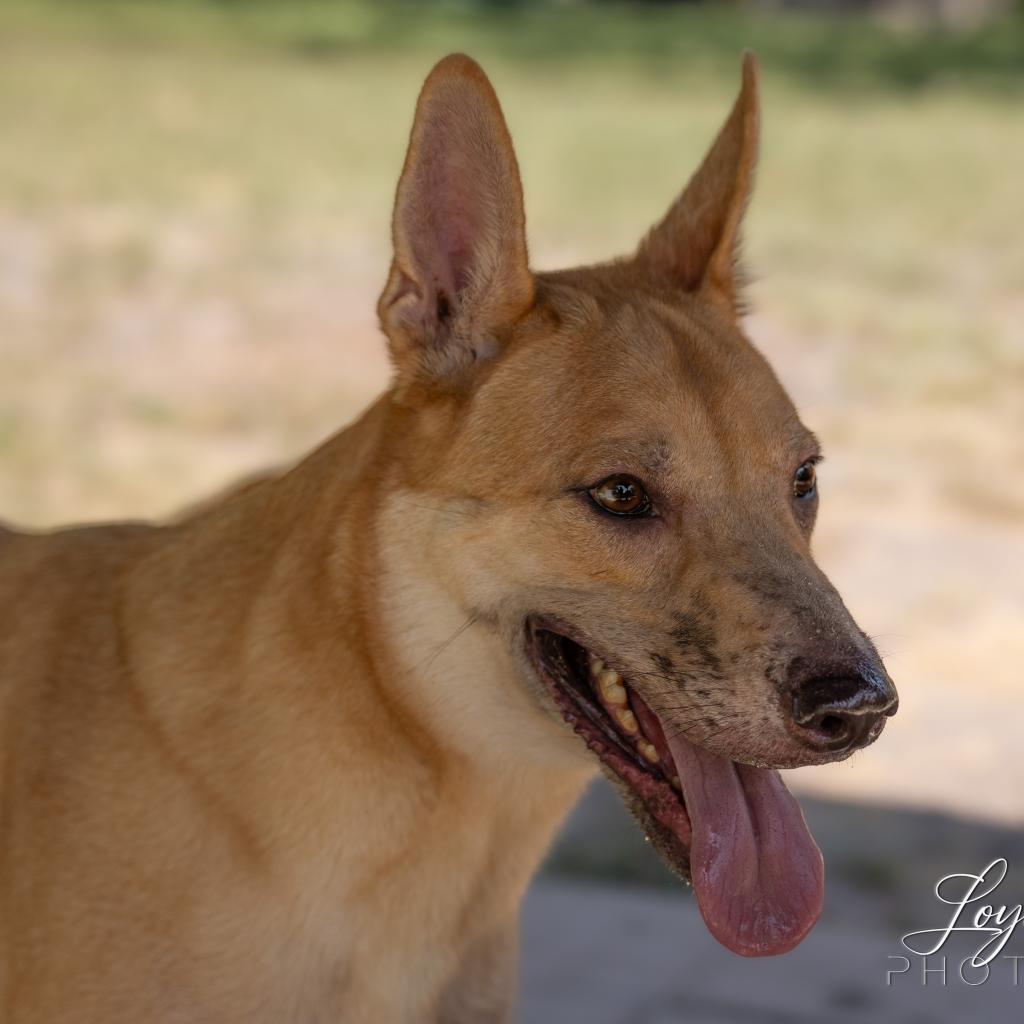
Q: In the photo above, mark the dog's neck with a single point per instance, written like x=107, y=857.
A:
x=406, y=737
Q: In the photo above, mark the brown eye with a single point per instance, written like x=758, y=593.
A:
x=805, y=481
x=621, y=495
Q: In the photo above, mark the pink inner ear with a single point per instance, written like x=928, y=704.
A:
x=457, y=216
x=460, y=245
x=448, y=217
x=459, y=255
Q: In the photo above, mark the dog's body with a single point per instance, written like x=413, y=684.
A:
x=194, y=723
x=289, y=758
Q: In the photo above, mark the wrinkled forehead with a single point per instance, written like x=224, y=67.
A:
x=638, y=380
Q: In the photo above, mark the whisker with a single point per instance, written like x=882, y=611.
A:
x=442, y=510
x=439, y=650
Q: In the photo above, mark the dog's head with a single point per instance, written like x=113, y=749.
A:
x=631, y=498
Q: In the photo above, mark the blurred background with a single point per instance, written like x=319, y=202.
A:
x=194, y=209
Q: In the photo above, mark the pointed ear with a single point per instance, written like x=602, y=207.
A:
x=459, y=277
x=696, y=245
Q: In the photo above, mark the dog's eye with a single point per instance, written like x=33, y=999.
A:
x=805, y=481
x=621, y=495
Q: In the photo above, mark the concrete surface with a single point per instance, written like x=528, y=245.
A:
x=610, y=937
x=594, y=954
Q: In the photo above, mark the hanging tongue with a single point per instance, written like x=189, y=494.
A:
x=757, y=872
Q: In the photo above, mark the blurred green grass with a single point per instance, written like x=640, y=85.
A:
x=658, y=37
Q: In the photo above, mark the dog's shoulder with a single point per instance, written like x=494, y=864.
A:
x=59, y=639
x=67, y=549
x=62, y=575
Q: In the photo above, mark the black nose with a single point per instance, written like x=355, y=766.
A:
x=840, y=713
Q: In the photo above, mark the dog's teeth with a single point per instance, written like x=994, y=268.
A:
x=649, y=751
x=611, y=687
x=615, y=693
x=676, y=784
x=627, y=720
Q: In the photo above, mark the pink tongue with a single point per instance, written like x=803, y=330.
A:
x=757, y=872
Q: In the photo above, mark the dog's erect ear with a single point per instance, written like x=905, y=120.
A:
x=696, y=245
x=459, y=277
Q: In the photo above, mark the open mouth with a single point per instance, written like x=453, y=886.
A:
x=733, y=829
x=619, y=727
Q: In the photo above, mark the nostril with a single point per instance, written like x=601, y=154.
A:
x=832, y=725
x=831, y=730
x=836, y=714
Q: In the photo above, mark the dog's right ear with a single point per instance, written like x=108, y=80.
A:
x=696, y=245
x=459, y=276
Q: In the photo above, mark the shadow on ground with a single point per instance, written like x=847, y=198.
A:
x=611, y=938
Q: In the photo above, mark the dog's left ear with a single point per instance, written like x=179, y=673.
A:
x=459, y=278
x=696, y=245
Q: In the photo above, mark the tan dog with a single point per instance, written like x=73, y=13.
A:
x=295, y=757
